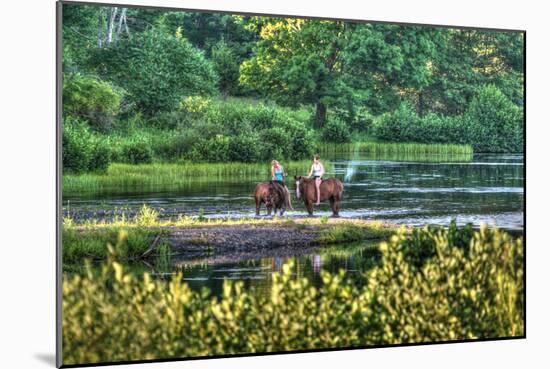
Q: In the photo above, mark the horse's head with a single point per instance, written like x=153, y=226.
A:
x=298, y=180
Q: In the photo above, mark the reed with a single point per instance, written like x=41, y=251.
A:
x=366, y=147
x=165, y=176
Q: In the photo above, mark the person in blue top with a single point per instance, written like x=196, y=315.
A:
x=278, y=174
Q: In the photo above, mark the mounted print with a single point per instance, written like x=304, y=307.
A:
x=247, y=184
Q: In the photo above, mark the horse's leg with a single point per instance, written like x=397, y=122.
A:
x=258, y=204
x=309, y=206
x=337, y=203
x=269, y=208
x=333, y=206
x=283, y=209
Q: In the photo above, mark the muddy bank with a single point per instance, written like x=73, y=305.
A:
x=236, y=242
x=228, y=243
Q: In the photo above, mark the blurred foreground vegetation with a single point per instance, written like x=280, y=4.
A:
x=433, y=284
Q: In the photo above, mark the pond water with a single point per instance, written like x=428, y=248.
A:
x=482, y=189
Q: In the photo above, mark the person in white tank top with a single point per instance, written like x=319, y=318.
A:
x=317, y=171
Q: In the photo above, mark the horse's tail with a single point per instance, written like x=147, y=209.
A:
x=338, y=188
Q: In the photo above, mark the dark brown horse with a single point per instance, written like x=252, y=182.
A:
x=331, y=189
x=273, y=195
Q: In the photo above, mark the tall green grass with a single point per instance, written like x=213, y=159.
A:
x=164, y=176
x=395, y=148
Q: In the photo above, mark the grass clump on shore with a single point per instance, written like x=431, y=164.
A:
x=90, y=240
x=456, y=295
x=81, y=244
x=353, y=232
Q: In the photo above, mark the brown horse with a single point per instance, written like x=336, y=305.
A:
x=331, y=189
x=273, y=195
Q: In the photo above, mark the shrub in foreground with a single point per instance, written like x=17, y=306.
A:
x=478, y=293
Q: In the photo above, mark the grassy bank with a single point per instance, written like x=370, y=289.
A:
x=164, y=176
x=386, y=148
x=90, y=239
x=455, y=294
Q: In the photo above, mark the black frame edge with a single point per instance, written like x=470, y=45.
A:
x=58, y=184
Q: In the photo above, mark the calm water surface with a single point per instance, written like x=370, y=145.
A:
x=486, y=189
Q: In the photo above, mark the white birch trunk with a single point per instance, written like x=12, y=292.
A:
x=100, y=29
x=121, y=19
x=110, y=27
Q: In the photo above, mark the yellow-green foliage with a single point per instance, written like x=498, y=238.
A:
x=352, y=232
x=457, y=294
x=194, y=104
x=115, y=315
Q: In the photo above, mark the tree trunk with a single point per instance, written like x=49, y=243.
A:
x=100, y=28
x=112, y=17
x=126, y=24
x=320, y=114
x=121, y=19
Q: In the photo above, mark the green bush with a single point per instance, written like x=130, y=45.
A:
x=172, y=120
x=244, y=148
x=275, y=143
x=457, y=294
x=168, y=66
x=88, y=98
x=215, y=149
x=137, y=152
x=226, y=64
x=494, y=123
x=83, y=151
x=336, y=131
x=253, y=132
x=301, y=143
x=398, y=126
x=101, y=156
x=175, y=145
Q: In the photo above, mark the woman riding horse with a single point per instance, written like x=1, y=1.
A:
x=278, y=175
x=317, y=170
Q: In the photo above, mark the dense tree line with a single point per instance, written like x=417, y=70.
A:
x=132, y=64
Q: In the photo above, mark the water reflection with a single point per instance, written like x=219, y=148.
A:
x=486, y=188
x=353, y=259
